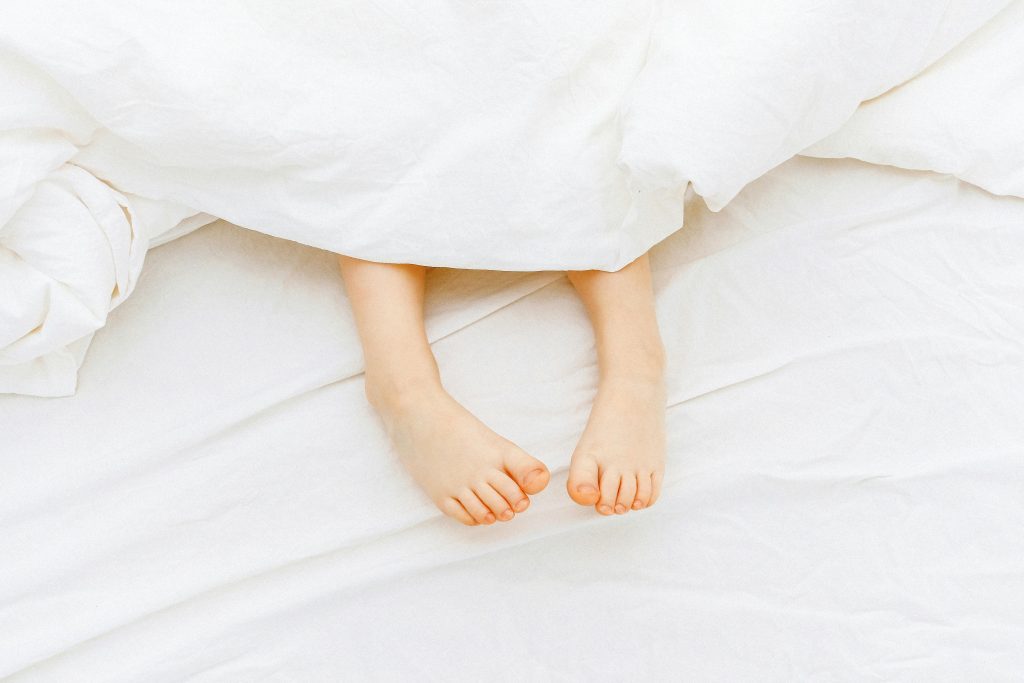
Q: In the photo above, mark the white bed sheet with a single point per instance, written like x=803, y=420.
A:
x=843, y=496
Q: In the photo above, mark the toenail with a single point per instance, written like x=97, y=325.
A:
x=620, y=509
x=637, y=505
x=586, y=488
x=533, y=474
x=488, y=518
x=522, y=505
x=605, y=510
x=506, y=515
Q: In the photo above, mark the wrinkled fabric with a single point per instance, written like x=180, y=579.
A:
x=511, y=137
x=842, y=494
x=219, y=503
x=71, y=245
x=733, y=88
x=961, y=116
x=524, y=136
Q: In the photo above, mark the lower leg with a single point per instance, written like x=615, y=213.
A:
x=621, y=310
x=387, y=302
x=618, y=464
x=470, y=472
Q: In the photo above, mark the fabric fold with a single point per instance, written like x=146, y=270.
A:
x=71, y=244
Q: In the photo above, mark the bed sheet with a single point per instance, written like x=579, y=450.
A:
x=843, y=498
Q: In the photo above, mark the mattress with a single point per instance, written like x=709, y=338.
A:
x=843, y=495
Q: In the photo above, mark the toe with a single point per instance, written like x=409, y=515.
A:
x=627, y=492
x=655, y=487
x=582, y=484
x=494, y=501
x=527, y=471
x=510, y=491
x=453, y=508
x=643, y=490
x=475, y=507
x=609, y=492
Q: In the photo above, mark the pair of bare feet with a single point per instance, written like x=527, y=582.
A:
x=478, y=477
x=469, y=471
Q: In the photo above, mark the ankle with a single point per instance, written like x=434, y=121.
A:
x=641, y=362
x=390, y=393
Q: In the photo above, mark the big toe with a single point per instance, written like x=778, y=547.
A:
x=527, y=471
x=582, y=484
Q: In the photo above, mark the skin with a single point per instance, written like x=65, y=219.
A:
x=619, y=463
x=472, y=473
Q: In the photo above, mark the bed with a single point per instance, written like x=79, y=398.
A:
x=193, y=486
x=843, y=496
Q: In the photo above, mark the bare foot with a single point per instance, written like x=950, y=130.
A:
x=619, y=462
x=470, y=472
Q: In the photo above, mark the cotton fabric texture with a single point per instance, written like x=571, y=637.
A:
x=527, y=136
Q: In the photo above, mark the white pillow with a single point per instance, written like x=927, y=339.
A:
x=732, y=88
x=963, y=116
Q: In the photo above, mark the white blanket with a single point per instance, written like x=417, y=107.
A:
x=218, y=502
x=524, y=136
x=71, y=245
x=961, y=116
x=476, y=136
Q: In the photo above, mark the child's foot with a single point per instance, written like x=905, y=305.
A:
x=619, y=462
x=470, y=472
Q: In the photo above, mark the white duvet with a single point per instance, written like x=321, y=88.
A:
x=528, y=136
